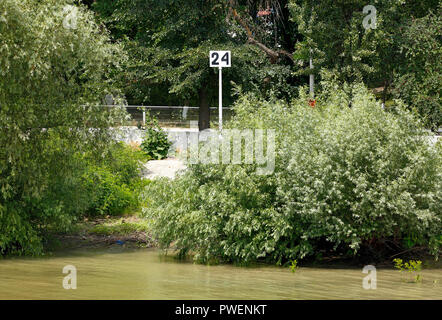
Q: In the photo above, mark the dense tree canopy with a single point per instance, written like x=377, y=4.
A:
x=169, y=42
x=272, y=42
x=334, y=31
x=419, y=79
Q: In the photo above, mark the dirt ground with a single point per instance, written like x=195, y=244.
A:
x=127, y=232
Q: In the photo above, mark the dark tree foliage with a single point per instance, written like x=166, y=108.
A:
x=169, y=43
x=334, y=35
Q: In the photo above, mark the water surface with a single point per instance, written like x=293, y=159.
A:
x=147, y=274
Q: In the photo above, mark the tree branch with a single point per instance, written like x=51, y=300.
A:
x=272, y=54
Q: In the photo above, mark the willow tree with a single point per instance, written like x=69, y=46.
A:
x=56, y=66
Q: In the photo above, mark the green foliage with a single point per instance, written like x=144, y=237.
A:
x=51, y=80
x=108, y=194
x=169, y=43
x=123, y=161
x=98, y=186
x=294, y=266
x=412, y=266
x=334, y=29
x=17, y=232
x=420, y=81
x=345, y=178
x=402, y=54
x=120, y=228
x=113, y=184
x=156, y=143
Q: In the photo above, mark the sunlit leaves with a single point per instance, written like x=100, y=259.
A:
x=343, y=177
x=52, y=79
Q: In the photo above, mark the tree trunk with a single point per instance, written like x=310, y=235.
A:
x=204, y=110
x=384, y=93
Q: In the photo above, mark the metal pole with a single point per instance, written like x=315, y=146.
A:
x=312, y=77
x=220, y=99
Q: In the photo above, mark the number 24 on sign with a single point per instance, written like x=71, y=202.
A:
x=220, y=59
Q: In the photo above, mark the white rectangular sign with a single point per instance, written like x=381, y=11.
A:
x=220, y=59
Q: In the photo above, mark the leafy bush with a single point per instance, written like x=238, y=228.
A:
x=108, y=194
x=412, y=266
x=156, y=143
x=94, y=186
x=346, y=179
x=121, y=228
x=113, y=184
x=124, y=161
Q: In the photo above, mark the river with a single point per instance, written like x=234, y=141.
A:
x=119, y=273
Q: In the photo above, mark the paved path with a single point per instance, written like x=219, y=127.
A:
x=163, y=168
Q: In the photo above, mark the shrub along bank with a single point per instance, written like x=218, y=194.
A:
x=356, y=181
x=96, y=187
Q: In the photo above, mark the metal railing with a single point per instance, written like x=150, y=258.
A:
x=171, y=116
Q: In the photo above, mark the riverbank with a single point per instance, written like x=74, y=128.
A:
x=127, y=231
x=133, y=232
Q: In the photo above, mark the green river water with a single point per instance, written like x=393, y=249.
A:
x=147, y=274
